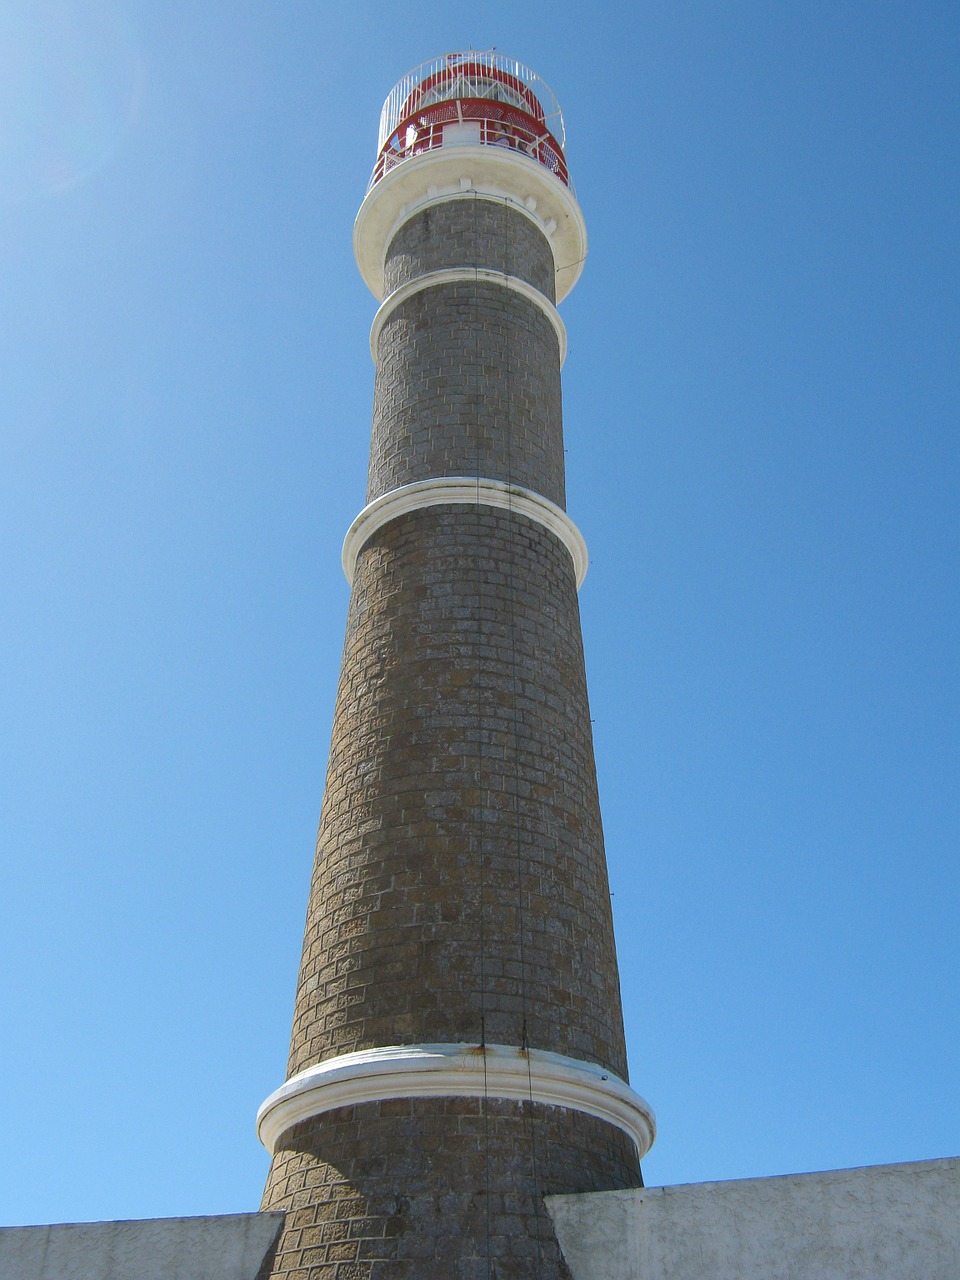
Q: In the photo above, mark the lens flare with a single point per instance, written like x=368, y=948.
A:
x=70, y=84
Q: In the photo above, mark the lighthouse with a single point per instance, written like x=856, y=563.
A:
x=457, y=1050
x=456, y=1103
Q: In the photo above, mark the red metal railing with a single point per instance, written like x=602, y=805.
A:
x=474, y=74
x=501, y=124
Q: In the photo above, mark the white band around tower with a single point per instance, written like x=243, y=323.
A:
x=457, y=1071
x=463, y=489
x=455, y=172
x=457, y=275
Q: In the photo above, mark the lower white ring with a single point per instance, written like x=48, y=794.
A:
x=463, y=489
x=457, y=1070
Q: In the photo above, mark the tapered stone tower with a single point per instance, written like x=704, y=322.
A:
x=457, y=1048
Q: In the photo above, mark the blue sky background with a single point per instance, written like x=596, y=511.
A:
x=761, y=414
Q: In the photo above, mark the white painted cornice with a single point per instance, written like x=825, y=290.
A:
x=453, y=172
x=468, y=490
x=456, y=275
x=457, y=1070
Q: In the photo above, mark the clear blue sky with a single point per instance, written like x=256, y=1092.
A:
x=761, y=412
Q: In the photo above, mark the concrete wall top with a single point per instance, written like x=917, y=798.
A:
x=887, y=1222
x=228, y=1247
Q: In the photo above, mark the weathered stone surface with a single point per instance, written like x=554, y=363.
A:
x=473, y=231
x=460, y=888
x=416, y=1188
x=468, y=374
x=468, y=383
x=459, y=892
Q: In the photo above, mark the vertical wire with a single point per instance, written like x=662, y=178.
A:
x=481, y=852
x=515, y=678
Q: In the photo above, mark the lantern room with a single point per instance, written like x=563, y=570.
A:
x=471, y=99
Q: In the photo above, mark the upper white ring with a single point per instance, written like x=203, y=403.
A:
x=487, y=172
x=457, y=1070
x=456, y=275
x=463, y=489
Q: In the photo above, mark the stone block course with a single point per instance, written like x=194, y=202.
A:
x=471, y=232
x=468, y=383
x=405, y=1225
x=470, y=799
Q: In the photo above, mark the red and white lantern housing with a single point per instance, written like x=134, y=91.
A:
x=471, y=122
x=471, y=99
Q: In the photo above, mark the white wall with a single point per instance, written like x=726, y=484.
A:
x=230, y=1247
x=889, y=1222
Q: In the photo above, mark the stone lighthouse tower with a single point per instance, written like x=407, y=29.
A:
x=457, y=1048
